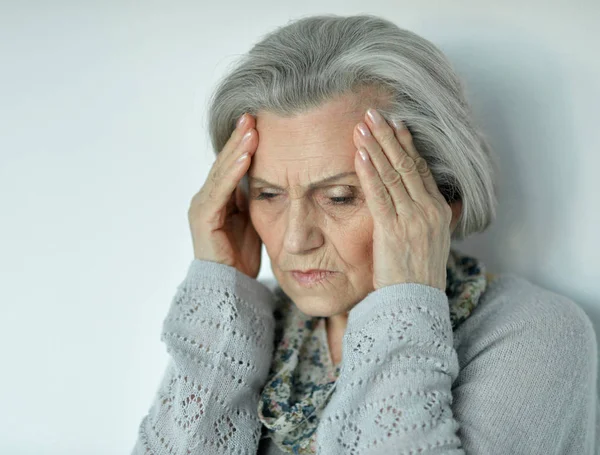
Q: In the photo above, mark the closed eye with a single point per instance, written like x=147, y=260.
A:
x=345, y=200
x=342, y=200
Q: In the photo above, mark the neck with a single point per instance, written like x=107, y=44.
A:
x=337, y=323
x=336, y=326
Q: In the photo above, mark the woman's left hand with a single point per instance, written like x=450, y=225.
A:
x=411, y=218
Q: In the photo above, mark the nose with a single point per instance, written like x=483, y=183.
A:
x=302, y=233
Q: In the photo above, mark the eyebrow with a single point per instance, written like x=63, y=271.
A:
x=311, y=186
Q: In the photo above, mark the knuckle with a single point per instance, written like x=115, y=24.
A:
x=196, y=198
x=386, y=136
x=422, y=166
x=406, y=164
x=381, y=193
x=391, y=177
x=197, y=201
x=433, y=212
x=212, y=192
x=213, y=178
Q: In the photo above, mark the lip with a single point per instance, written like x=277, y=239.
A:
x=310, y=271
x=311, y=277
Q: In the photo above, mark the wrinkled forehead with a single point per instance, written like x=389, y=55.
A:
x=307, y=147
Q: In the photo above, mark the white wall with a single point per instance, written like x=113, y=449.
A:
x=103, y=143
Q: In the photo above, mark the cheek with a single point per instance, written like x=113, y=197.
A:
x=354, y=241
x=258, y=219
x=352, y=233
x=266, y=226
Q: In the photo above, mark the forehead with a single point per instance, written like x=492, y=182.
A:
x=309, y=146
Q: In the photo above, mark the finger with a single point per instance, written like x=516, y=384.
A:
x=249, y=123
x=235, y=145
x=403, y=163
x=378, y=199
x=389, y=177
x=405, y=138
x=240, y=142
x=222, y=182
x=233, y=148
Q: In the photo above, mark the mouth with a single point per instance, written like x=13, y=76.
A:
x=311, y=277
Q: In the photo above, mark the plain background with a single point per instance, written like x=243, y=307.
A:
x=103, y=142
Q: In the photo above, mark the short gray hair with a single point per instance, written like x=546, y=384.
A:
x=315, y=59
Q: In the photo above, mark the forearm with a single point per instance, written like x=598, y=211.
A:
x=219, y=335
x=394, y=389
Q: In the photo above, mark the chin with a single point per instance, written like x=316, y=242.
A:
x=323, y=299
x=316, y=307
x=316, y=302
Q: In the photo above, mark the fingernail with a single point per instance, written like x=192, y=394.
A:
x=375, y=116
x=241, y=121
x=364, y=130
x=246, y=137
x=399, y=125
x=242, y=158
x=363, y=154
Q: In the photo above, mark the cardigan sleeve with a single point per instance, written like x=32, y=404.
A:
x=526, y=387
x=219, y=336
x=398, y=364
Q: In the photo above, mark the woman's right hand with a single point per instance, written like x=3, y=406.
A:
x=218, y=215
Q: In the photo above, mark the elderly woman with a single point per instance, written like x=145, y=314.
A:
x=355, y=161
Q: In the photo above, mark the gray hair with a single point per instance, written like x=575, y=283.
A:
x=315, y=59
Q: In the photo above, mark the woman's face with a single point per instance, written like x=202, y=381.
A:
x=326, y=227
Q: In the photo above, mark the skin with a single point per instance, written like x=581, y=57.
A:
x=304, y=228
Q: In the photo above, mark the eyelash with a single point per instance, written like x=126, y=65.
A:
x=349, y=200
